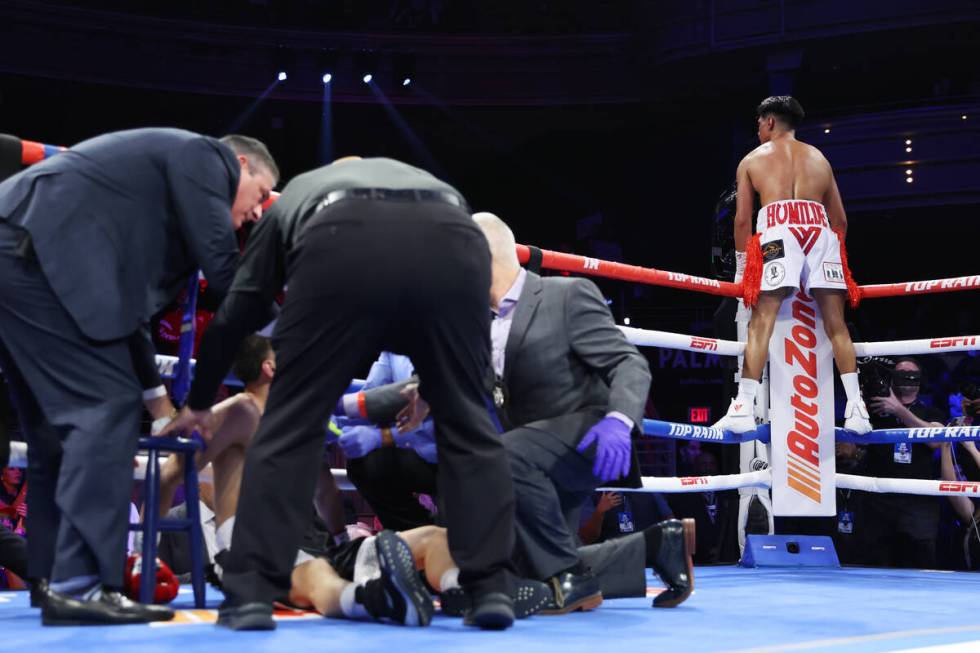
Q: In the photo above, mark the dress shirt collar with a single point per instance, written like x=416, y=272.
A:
x=509, y=301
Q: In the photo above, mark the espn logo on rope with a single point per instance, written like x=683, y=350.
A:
x=708, y=344
x=803, y=450
x=960, y=488
x=693, y=480
x=795, y=212
x=943, y=343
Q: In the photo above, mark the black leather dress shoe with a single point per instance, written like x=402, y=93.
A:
x=571, y=592
x=530, y=598
x=491, y=611
x=109, y=607
x=250, y=616
x=673, y=562
x=39, y=588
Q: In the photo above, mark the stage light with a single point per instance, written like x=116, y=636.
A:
x=908, y=149
x=909, y=180
x=827, y=130
x=963, y=117
x=281, y=76
x=626, y=321
x=908, y=141
x=367, y=78
x=908, y=171
x=327, y=77
x=406, y=81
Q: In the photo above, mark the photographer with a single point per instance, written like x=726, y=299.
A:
x=901, y=528
x=961, y=462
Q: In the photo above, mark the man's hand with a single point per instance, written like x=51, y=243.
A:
x=21, y=509
x=358, y=441
x=188, y=420
x=889, y=405
x=612, y=454
x=608, y=501
x=411, y=416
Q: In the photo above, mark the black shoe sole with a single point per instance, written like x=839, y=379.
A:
x=247, y=619
x=123, y=620
x=690, y=544
x=491, y=620
x=584, y=604
x=398, y=564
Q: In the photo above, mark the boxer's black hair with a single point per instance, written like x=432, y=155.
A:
x=254, y=351
x=784, y=108
x=255, y=150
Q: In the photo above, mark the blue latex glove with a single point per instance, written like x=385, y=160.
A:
x=358, y=441
x=612, y=452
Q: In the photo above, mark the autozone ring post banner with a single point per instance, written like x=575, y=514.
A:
x=801, y=368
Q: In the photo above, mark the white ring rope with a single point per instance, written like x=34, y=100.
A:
x=926, y=487
x=649, y=338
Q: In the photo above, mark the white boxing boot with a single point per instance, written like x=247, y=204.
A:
x=856, y=417
x=740, y=417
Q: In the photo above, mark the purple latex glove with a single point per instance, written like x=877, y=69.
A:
x=612, y=453
x=358, y=441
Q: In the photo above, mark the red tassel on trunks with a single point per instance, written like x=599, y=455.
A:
x=853, y=291
x=752, y=278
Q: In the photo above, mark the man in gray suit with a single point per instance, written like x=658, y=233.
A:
x=93, y=242
x=570, y=393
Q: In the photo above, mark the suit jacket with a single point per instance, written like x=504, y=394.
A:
x=565, y=355
x=119, y=221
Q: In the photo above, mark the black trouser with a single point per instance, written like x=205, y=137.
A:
x=367, y=276
x=79, y=406
x=388, y=479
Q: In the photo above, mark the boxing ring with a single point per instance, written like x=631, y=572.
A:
x=734, y=609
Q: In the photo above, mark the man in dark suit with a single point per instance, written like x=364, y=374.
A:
x=426, y=298
x=93, y=242
x=570, y=392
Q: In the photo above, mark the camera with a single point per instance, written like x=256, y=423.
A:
x=875, y=376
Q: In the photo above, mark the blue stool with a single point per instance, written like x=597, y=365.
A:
x=153, y=523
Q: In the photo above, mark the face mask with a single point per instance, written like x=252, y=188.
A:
x=906, y=379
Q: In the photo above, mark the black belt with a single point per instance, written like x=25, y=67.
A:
x=392, y=195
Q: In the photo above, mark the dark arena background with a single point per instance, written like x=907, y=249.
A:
x=609, y=129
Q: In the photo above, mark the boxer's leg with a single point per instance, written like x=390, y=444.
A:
x=741, y=417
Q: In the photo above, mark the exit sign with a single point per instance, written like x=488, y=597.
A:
x=699, y=415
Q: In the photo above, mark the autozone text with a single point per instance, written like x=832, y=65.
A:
x=958, y=282
x=942, y=343
x=964, y=488
x=694, y=480
x=691, y=432
x=704, y=343
x=694, y=281
x=803, y=450
x=948, y=431
x=798, y=212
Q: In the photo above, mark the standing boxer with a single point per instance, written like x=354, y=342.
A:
x=799, y=245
